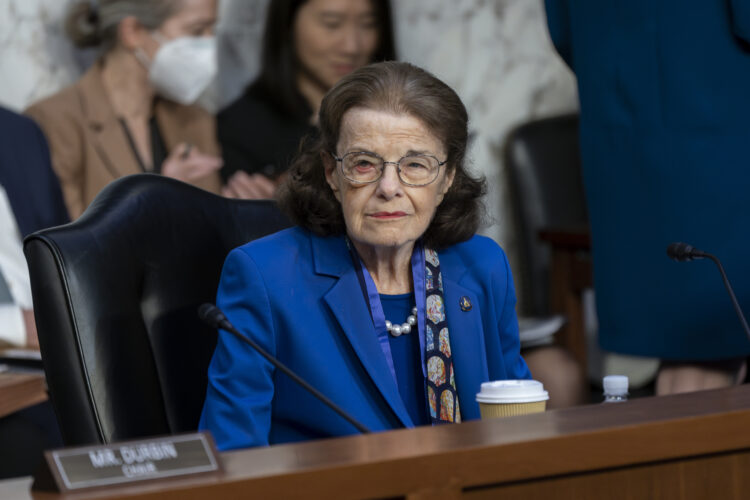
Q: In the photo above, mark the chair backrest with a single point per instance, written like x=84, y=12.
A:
x=116, y=295
x=544, y=170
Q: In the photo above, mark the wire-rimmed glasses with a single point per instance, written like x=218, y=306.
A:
x=364, y=167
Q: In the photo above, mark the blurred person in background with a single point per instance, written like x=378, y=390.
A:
x=664, y=107
x=308, y=46
x=133, y=110
x=30, y=200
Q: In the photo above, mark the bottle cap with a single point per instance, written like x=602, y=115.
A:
x=615, y=385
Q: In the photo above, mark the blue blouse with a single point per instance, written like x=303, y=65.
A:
x=407, y=359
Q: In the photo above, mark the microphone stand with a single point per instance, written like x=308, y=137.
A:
x=682, y=252
x=731, y=293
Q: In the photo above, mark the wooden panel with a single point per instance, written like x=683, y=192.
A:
x=684, y=446
x=719, y=476
x=632, y=450
x=20, y=390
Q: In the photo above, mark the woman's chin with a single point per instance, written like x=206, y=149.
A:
x=390, y=242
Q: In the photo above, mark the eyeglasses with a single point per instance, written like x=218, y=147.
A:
x=362, y=167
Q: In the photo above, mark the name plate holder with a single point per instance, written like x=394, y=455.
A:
x=127, y=462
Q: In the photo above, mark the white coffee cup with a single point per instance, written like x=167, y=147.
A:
x=506, y=398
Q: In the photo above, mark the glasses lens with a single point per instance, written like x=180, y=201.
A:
x=418, y=169
x=362, y=167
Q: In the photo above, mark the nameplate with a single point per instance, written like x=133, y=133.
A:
x=128, y=462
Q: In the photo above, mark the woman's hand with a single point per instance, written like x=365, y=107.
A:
x=186, y=163
x=249, y=187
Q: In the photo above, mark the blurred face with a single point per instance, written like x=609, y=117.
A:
x=195, y=18
x=386, y=213
x=333, y=38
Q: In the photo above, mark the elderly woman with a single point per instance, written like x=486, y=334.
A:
x=383, y=298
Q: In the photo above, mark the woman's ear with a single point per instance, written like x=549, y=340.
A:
x=332, y=178
x=447, y=183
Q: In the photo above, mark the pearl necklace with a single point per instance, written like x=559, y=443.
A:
x=405, y=327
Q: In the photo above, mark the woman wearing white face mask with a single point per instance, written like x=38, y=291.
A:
x=133, y=111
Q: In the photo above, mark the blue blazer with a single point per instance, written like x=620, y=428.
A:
x=26, y=175
x=299, y=297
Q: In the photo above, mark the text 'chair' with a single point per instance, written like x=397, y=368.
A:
x=116, y=295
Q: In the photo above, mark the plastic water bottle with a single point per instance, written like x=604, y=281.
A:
x=615, y=388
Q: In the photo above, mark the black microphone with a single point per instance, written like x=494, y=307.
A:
x=682, y=252
x=213, y=317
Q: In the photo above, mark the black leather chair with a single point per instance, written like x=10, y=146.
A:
x=116, y=296
x=544, y=169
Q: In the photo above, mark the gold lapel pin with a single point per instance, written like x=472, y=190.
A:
x=465, y=303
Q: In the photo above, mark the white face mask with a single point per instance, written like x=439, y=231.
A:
x=182, y=67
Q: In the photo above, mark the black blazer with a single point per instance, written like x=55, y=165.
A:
x=258, y=137
x=26, y=175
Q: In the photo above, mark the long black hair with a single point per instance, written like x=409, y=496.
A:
x=279, y=64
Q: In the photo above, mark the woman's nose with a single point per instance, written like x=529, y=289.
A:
x=389, y=184
x=351, y=42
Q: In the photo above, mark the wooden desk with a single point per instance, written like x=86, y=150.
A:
x=689, y=446
x=19, y=390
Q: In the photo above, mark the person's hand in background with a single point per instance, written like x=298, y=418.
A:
x=250, y=187
x=186, y=163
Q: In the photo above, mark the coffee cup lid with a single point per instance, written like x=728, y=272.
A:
x=512, y=391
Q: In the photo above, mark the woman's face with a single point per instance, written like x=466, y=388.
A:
x=332, y=38
x=386, y=213
x=193, y=18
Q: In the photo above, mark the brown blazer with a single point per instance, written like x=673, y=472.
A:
x=89, y=147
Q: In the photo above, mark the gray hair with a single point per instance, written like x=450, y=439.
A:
x=93, y=23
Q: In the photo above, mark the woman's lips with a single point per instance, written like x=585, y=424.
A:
x=388, y=215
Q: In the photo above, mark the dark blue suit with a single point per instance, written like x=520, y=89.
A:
x=299, y=297
x=665, y=141
x=26, y=174
x=36, y=201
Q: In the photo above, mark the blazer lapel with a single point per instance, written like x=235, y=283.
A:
x=467, y=345
x=108, y=137
x=350, y=310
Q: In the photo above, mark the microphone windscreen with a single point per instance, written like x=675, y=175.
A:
x=680, y=252
x=210, y=314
